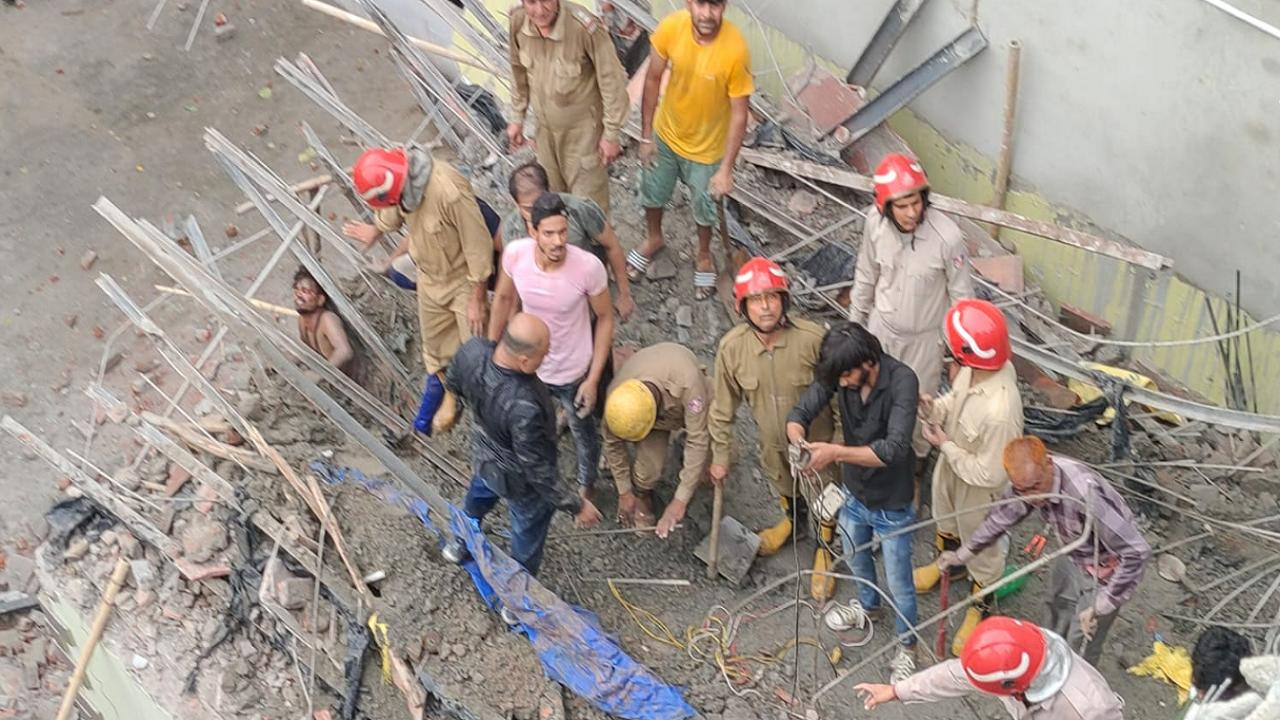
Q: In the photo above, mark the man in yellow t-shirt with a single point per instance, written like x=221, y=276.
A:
x=695, y=133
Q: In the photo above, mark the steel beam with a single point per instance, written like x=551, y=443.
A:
x=909, y=86
x=882, y=43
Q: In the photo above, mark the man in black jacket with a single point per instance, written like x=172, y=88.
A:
x=878, y=397
x=514, y=439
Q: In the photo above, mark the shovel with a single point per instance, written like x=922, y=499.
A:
x=730, y=548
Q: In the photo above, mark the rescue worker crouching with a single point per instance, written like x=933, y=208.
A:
x=657, y=391
x=451, y=247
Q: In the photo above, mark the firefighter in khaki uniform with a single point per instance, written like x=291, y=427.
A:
x=563, y=63
x=657, y=391
x=970, y=426
x=913, y=264
x=452, y=249
x=768, y=362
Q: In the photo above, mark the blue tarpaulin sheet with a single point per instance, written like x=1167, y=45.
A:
x=574, y=650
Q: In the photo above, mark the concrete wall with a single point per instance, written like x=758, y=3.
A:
x=1147, y=117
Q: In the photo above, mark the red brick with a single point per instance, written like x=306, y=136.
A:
x=177, y=478
x=1003, y=270
x=1083, y=321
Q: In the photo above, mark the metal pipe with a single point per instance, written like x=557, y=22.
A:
x=1006, y=137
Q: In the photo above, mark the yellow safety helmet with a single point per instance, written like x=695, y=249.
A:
x=630, y=410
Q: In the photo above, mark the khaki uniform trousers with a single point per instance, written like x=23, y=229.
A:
x=571, y=157
x=950, y=495
x=442, y=319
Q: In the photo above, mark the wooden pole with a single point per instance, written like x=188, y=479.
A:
x=260, y=304
x=713, y=554
x=313, y=183
x=95, y=634
x=423, y=45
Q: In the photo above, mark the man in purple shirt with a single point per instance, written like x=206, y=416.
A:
x=1111, y=560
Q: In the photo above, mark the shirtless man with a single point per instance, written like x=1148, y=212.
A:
x=319, y=327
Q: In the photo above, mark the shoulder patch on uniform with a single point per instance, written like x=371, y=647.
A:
x=959, y=260
x=584, y=16
x=694, y=406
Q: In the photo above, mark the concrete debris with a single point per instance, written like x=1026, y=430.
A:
x=662, y=268
x=223, y=33
x=88, y=259
x=803, y=202
x=1003, y=270
x=293, y=593
x=684, y=316
x=203, y=539
x=142, y=574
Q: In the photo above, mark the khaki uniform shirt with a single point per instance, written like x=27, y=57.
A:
x=448, y=239
x=686, y=393
x=570, y=75
x=771, y=382
x=910, y=282
x=979, y=421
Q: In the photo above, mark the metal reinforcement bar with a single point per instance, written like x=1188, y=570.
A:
x=882, y=43
x=234, y=311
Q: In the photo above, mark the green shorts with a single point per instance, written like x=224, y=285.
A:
x=658, y=182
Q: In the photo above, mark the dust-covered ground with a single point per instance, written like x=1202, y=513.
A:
x=121, y=115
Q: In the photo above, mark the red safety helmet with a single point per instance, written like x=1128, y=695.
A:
x=978, y=335
x=379, y=176
x=1002, y=655
x=756, y=277
x=897, y=176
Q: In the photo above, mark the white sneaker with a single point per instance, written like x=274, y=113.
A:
x=903, y=665
x=842, y=617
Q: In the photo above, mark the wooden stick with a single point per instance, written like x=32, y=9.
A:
x=260, y=304
x=95, y=634
x=307, y=185
x=191, y=435
x=423, y=45
x=1075, y=238
x=1006, y=136
x=713, y=552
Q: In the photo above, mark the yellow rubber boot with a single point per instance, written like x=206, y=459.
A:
x=772, y=539
x=447, y=415
x=926, y=577
x=822, y=587
x=972, y=617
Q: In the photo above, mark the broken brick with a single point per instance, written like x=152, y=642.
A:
x=293, y=593
x=177, y=478
x=88, y=259
x=232, y=231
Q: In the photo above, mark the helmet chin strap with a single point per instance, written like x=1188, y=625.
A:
x=783, y=322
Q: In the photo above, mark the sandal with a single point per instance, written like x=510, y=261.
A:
x=637, y=265
x=704, y=285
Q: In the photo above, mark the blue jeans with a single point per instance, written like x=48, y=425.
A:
x=530, y=518
x=586, y=433
x=857, y=525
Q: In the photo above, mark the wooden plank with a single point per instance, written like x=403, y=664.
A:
x=191, y=435
x=1003, y=218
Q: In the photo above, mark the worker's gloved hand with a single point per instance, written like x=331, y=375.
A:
x=670, y=518
x=588, y=516
x=948, y=560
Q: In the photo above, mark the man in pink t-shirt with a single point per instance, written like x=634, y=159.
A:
x=564, y=286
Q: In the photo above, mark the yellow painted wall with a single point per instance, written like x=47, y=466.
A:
x=1173, y=308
